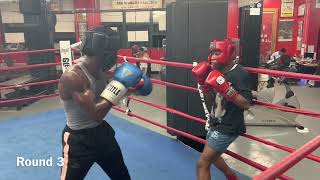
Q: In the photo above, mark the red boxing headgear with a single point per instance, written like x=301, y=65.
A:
x=227, y=49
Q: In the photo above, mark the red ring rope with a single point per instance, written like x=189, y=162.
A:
x=269, y=105
x=167, y=63
x=29, y=66
x=288, y=109
x=33, y=66
x=311, y=157
x=286, y=165
x=236, y=156
x=169, y=110
x=291, y=150
x=249, y=69
x=30, y=84
x=283, y=74
x=29, y=52
x=182, y=133
x=5, y=102
x=175, y=64
x=174, y=85
x=290, y=160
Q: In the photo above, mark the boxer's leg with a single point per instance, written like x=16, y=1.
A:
x=77, y=159
x=217, y=144
x=110, y=157
x=208, y=156
x=113, y=164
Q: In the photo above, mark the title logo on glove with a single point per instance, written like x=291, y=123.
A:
x=220, y=80
x=126, y=73
x=114, y=90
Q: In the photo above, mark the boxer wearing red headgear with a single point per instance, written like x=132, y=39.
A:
x=224, y=50
x=225, y=85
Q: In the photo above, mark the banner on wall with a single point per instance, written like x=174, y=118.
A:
x=287, y=8
x=136, y=4
x=242, y=3
x=54, y=5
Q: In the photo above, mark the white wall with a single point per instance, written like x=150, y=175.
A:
x=139, y=16
x=14, y=37
x=9, y=6
x=10, y=12
x=11, y=17
x=159, y=17
x=105, y=4
x=65, y=23
x=134, y=36
x=111, y=17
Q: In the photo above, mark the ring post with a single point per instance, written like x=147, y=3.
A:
x=66, y=55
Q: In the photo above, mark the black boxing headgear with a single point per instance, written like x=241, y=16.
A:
x=102, y=42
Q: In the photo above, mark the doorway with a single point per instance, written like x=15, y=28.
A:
x=268, y=33
x=250, y=41
x=158, y=40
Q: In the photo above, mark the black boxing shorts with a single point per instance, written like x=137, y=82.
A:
x=82, y=148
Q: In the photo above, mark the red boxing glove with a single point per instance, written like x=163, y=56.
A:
x=200, y=72
x=216, y=81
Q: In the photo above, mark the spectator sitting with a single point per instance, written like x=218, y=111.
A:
x=276, y=55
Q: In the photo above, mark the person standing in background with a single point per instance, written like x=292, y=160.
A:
x=141, y=52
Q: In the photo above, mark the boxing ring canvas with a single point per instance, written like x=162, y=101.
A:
x=147, y=154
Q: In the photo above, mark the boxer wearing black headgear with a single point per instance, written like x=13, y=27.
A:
x=103, y=43
x=87, y=95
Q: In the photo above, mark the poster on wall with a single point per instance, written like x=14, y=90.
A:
x=318, y=4
x=54, y=5
x=82, y=24
x=287, y=8
x=82, y=27
x=136, y=4
x=285, y=30
x=301, y=10
x=300, y=35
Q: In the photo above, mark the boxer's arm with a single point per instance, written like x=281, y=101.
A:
x=242, y=102
x=97, y=110
x=209, y=98
x=236, y=93
x=85, y=97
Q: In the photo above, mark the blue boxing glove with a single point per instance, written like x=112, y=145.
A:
x=128, y=74
x=146, y=88
x=125, y=76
